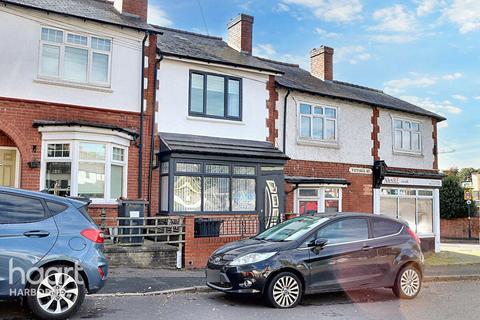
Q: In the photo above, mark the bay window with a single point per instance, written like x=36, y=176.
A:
x=203, y=186
x=317, y=122
x=412, y=205
x=73, y=57
x=95, y=170
x=407, y=135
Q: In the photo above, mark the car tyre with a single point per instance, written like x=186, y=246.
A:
x=408, y=283
x=57, y=295
x=284, y=291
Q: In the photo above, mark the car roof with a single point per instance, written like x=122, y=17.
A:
x=38, y=194
x=334, y=215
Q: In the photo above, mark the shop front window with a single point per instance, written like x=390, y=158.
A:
x=318, y=200
x=412, y=205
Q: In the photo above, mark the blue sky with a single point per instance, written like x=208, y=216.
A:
x=424, y=51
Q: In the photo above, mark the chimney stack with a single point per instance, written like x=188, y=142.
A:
x=321, y=63
x=240, y=31
x=136, y=8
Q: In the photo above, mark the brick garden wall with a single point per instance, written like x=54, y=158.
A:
x=458, y=228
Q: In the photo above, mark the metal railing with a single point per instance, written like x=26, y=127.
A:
x=236, y=226
x=128, y=231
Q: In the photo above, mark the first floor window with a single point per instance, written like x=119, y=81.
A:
x=210, y=187
x=318, y=122
x=311, y=200
x=94, y=170
x=407, y=135
x=412, y=205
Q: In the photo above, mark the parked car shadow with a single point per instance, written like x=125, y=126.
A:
x=344, y=297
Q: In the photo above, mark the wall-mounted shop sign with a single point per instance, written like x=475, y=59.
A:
x=412, y=182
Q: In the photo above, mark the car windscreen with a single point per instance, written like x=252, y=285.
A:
x=292, y=229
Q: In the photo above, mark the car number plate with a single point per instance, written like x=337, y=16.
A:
x=213, y=275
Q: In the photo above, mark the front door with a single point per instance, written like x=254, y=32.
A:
x=8, y=167
x=272, y=193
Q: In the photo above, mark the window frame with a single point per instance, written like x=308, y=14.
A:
x=320, y=197
x=226, y=78
x=417, y=197
x=311, y=116
x=231, y=176
x=61, y=63
x=411, y=132
x=74, y=160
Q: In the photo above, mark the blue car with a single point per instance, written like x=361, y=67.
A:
x=50, y=252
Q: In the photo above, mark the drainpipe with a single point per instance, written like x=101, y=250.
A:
x=152, y=138
x=285, y=121
x=142, y=116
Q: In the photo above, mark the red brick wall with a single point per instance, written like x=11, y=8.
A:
x=375, y=133
x=458, y=228
x=136, y=7
x=435, y=144
x=271, y=110
x=357, y=197
x=5, y=141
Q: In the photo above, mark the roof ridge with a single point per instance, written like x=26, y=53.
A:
x=357, y=86
x=186, y=32
x=279, y=62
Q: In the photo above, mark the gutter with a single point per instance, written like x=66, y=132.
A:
x=142, y=117
x=152, y=139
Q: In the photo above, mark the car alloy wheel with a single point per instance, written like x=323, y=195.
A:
x=410, y=282
x=57, y=293
x=285, y=290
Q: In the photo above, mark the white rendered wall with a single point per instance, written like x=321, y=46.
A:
x=173, y=103
x=20, y=31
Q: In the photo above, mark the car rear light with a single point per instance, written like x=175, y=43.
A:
x=413, y=235
x=94, y=235
x=101, y=273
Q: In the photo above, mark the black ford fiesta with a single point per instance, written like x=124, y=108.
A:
x=319, y=253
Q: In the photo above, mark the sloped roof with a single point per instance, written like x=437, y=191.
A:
x=95, y=10
x=186, y=143
x=297, y=78
x=184, y=44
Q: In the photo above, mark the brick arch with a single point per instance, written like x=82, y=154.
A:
x=17, y=137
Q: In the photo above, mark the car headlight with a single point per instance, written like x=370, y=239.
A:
x=251, y=258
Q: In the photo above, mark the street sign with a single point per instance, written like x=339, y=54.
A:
x=467, y=194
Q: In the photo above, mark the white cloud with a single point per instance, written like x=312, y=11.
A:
x=427, y=6
x=459, y=97
x=332, y=10
x=264, y=50
x=351, y=54
x=158, y=16
x=282, y=7
x=440, y=107
x=393, y=38
x=465, y=14
x=452, y=76
x=325, y=33
x=442, y=125
x=477, y=98
x=394, y=19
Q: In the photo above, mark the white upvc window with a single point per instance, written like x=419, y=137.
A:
x=311, y=200
x=317, y=122
x=73, y=57
x=407, y=135
x=96, y=170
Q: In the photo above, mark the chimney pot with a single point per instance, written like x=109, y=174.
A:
x=240, y=30
x=321, y=63
x=137, y=8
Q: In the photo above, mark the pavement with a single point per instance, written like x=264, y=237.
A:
x=436, y=301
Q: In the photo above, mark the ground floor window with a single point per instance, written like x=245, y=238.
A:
x=203, y=186
x=312, y=200
x=412, y=205
x=85, y=168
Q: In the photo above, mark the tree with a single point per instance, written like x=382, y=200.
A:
x=465, y=174
x=453, y=171
x=452, y=204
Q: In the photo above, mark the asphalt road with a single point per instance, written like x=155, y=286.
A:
x=441, y=300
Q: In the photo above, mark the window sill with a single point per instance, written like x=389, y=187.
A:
x=206, y=119
x=318, y=143
x=426, y=235
x=73, y=85
x=408, y=154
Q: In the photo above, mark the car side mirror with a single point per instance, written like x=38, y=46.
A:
x=318, y=243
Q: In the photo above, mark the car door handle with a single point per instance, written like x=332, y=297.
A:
x=366, y=248
x=36, y=234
